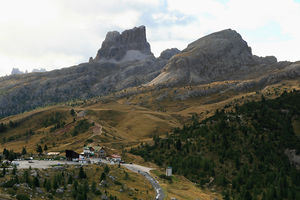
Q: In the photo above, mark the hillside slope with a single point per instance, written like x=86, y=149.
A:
x=126, y=117
x=241, y=152
x=108, y=124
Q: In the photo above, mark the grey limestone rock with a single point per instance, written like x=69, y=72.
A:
x=39, y=190
x=215, y=57
x=116, y=45
x=169, y=53
x=60, y=190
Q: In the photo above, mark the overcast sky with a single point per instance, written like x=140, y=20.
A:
x=60, y=33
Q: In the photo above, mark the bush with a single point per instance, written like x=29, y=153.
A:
x=98, y=192
x=22, y=197
x=9, y=183
x=11, y=191
x=89, y=140
x=169, y=178
x=118, y=183
x=81, y=127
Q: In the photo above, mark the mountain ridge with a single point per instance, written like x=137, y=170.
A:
x=96, y=78
x=125, y=60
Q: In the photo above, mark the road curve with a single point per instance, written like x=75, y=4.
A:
x=144, y=171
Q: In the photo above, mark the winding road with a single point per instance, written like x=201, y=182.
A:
x=145, y=172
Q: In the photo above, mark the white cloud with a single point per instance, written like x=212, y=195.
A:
x=61, y=33
x=247, y=17
x=56, y=33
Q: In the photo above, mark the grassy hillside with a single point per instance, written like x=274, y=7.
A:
x=239, y=151
x=126, y=118
x=108, y=124
x=116, y=183
x=181, y=188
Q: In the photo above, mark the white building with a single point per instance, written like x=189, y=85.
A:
x=53, y=153
x=169, y=171
x=115, y=158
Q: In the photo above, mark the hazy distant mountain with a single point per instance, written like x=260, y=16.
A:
x=39, y=70
x=16, y=71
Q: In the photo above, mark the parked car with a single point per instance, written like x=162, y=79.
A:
x=15, y=163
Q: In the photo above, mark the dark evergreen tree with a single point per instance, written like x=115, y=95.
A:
x=106, y=169
x=70, y=179
x=103, y=176
x=39, y=149
x=82, y=174
x=94, y=188
x=24, y=152
x=36, y=182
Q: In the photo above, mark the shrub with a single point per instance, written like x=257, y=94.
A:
x=169, y=178
x=22, y=197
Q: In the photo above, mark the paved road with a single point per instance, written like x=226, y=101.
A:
x=145, y=172
x=137, y=168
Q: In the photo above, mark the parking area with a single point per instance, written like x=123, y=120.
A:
x=41, y=164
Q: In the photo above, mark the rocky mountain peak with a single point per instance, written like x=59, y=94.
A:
x=214, y=57
x=168, y=53
x=116, y=45
x=222, y=44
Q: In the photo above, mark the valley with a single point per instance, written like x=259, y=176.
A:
x=211, y=112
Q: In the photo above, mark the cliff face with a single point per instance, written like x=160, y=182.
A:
x=130, y=44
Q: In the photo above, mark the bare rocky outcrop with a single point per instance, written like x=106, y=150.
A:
x=293, y=157
x=265, y=60
x=219, y=56
x=116, y=45
x=168, y=53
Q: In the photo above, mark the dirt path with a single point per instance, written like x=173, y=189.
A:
x=97, y=129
